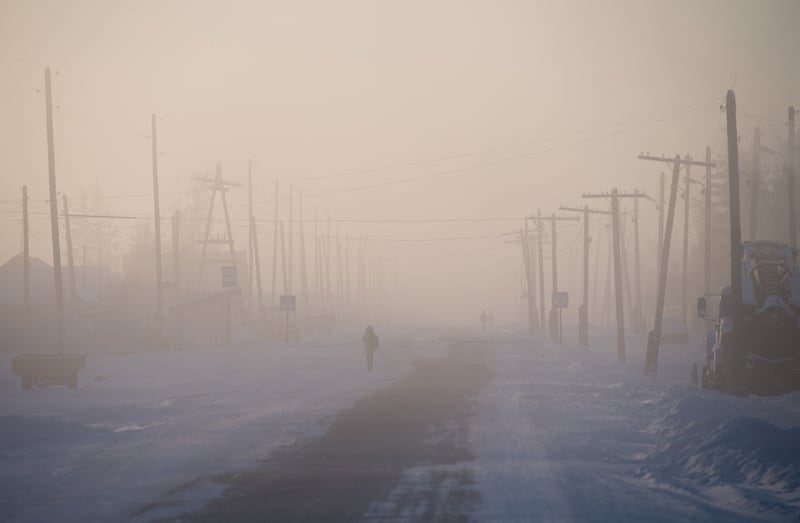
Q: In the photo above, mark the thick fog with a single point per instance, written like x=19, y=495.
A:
x=402, y=122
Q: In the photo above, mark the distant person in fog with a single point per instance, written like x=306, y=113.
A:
x=484, y=319
x=370, y=340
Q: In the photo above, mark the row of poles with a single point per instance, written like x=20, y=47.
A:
x=525, y=238
x=322, y=298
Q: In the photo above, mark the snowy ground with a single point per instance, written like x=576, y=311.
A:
x=555, y=435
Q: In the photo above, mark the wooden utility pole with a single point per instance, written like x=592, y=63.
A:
x=790, y=152
x=257, y=262
x=303, y=268
x=51, y=167
x=284, y=268
x=583, y=312
x=176, y=253
x=70, y=260
x=26, y=255
x=555, y=321
x=250, y=238
x=328, y=286
x=754, y=184
x=685, y=253
x=540, y=254
x=275, y=252
x=661, y=204
x=533, y=314
x=735, y=355
x=290, y=240
x=157, y=220
x=707, y=227
x=638, y=313
x=523, y=239
x=654, y=337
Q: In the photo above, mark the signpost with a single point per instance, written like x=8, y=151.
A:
x=288, y=304
x=560, y=301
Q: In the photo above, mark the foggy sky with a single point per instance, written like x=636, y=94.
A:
x=308, y=89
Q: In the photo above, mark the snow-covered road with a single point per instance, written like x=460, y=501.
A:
x=555, y=435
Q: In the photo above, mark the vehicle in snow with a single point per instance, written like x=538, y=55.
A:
x=761, y=356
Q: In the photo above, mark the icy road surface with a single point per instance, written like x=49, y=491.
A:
x=464, y=425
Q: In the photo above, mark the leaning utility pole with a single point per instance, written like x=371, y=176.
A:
x=661, y=203
x=790, y=152
x=70, y=259
x=51, y=167
x=157, y=209
x=555, y=322
x=26, y=259
x=583, y=312
x=523, y=239
x=654, y=337
x=257, y=262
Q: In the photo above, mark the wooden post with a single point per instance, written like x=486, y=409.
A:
x=70, y=260
x=303, y=269
x=685, y=260
x=290, y=240
x=540, y=253
x=736, y=236
x=283, y=261
x=157, y=220
x=618, y=276
x=250, y=233
x=275, y=251
x=654, y=338
x=26, y=259
x=638, y=314
x=257, y=262
x=51, y=167
x=583, y=312
x=707, y=225
x=533, y=315
x=790, y=152
x=176, y=253
x=661, y=204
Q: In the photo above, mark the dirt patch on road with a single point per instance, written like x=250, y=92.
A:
x=419, y=420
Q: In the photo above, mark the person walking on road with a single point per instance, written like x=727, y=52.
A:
x=370, y=340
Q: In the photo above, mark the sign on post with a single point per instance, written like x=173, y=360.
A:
x=560, y=300
x=228, y=273
x=288, y=303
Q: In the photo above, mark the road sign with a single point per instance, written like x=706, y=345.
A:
x=288, y=303
x=560, y=300
x=228, y=273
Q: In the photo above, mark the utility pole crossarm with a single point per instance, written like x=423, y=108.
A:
x=578, y=209
x=555, y=218
x=219, y=182
x=680, y=161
